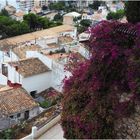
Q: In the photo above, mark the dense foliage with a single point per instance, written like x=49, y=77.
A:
x=57, y=6
x=95, y=5
x=115, y=15
x=58, y=17
x=4, y=13
x=85, y=22
x=36, y=22
x=10, y=27
x=68, y=6
x=31, y=22
x=83, y=25
x=93, y=94
x=132, y=10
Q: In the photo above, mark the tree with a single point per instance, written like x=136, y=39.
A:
x=91, y=103
x=10, y=27
x=132, y=11
x=43, y=22
x=85, y=22
x=96, y=4
x=58, y=17
x=32, y=20
x=57, y=6
x=23, y=28
x=44, y=7
x=36, y=22
x=4, y=12
x=115, y=15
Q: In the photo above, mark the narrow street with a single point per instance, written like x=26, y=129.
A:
x=55, y=132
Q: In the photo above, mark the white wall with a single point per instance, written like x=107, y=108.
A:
x=13, y=75
x=46, y=40
x=58, y=72
x=37, y=133
x=3, y=79
x=84, y=52
x=5, y=58
x=38, y=82
x=72, y=34
x=34, y=112
x=47, y=61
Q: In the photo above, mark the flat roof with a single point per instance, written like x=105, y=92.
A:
x=51, y=32
x=21, y=50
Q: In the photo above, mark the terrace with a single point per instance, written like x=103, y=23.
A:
x=65, y=39
x=21, y=50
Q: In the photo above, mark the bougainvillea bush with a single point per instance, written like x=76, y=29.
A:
x=92, y=95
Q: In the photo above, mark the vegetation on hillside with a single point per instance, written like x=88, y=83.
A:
x=119, y=14
x=132, y=11
x=31, y=22
x=94, y=94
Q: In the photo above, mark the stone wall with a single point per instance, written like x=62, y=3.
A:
x=129, y=128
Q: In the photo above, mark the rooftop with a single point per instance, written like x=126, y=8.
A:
x=19, y=14
x=62, y=28
x=14, y=101
x=52, y=32
x=21, y=51
x=53, y=45
x=65, y=39
x=73, y=14
x=30, y=66
x=51, y=15
x=57, y=56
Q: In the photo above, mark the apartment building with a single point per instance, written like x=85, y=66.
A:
x=29, y=4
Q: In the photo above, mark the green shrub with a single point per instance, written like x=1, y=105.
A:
x=45, y=104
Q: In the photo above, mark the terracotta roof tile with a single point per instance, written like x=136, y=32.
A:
x=15, y=101
x=29, y=67
x=21, y=51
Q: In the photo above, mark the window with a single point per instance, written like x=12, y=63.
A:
x=11, y=117
x=33, y=93
x=18, y=115
x=4, y=70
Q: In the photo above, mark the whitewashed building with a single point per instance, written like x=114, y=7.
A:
x=84, y=51
x=16, y=105
x=29, y=73
x=56, y=65
x=68, y=18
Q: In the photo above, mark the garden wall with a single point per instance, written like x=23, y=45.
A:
x=38, y=132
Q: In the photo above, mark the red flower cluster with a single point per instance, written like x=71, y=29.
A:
x=92, y=95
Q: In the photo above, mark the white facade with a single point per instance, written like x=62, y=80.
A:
x=3, y=79
x=46, y=40
x=58, y=71
x=7, y=122
x=72, y=34
x=8, y=56
x=86, y=16
x=14, y=76
x=84, y=52
x=38, y=82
